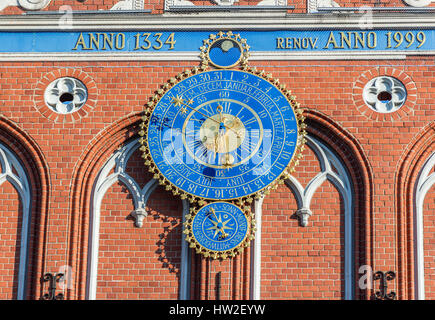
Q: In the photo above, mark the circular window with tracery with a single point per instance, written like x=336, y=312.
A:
x=66, y=95
x=384, y=94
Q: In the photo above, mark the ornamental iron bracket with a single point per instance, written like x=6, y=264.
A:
x=384, y=277
x=52, y=279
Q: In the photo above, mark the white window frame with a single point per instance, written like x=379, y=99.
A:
x=140, y=196
x=424, y=182
x=342, y=181
x=20, y=182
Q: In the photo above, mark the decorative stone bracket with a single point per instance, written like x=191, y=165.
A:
x=303, y=215
x=139, y=214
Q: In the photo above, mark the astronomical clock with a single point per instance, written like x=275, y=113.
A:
x=221, y=135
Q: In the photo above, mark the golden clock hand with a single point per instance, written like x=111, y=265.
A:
x=216, y=143
x=216, y=227
x=219, y=110
x=227, y=162
x=235, y=122
x=212, y=211
x=221, y=118
x=178, y=101
x=231, y=128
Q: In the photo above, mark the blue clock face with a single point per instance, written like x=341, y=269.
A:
x=220, y=226
x=222, y=134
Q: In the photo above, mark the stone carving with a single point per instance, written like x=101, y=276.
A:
x=33, y=4
x=139, y=214
x=129, y=5
x=177, y=3
x=312, y=5
x=25, y=4
x=118, y=164
x=418, y=3
x=225, y=2
x=272, y=3
x=303, y=215
x=65, y=95
x=384, y=94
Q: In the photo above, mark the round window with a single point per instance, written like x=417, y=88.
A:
x=384, y=94
x=65, y=95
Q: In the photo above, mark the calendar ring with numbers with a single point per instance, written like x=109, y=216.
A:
x=222, y=134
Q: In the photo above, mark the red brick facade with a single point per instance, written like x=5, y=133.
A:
x=382, y=154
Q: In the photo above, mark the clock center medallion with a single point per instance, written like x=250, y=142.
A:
x=222, y=133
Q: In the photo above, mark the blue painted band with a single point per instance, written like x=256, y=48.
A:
x=191, y=41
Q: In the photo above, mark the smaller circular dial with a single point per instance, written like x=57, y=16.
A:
x=219, y=229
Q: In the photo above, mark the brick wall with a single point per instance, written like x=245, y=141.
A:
x=73, y=152
x=429, y=244
x=10, y=233
x=139, y=263
x=303, y=262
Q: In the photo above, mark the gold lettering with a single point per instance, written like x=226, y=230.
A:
x=296, y=43
x=331, y=39
x=171, y=41
x=288, y=43
x=346, y=39
x=279, y=43
x=81, y=42
x=360, y=39
x=120, y=36
x=108, y=40
x=313, y=43
x=157, y=36
x=94, y=41
x=373, y=43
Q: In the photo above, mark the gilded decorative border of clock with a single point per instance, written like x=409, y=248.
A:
x=169, y=186
x=215, y=254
